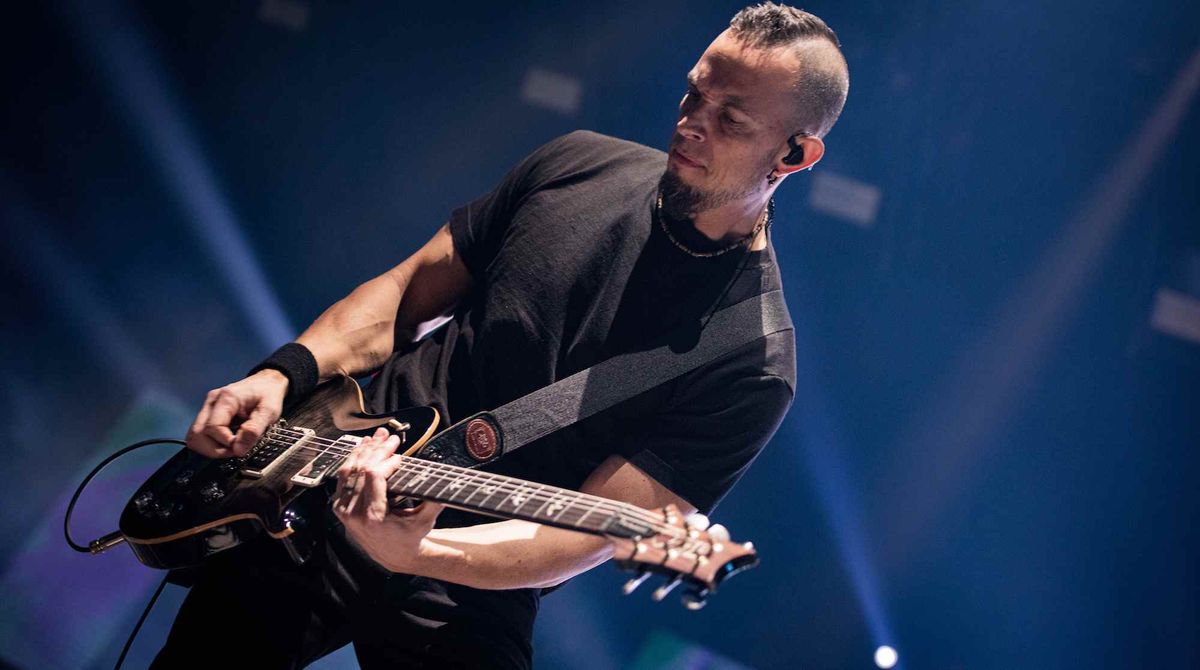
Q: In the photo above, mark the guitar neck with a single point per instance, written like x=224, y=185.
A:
x=511, y=498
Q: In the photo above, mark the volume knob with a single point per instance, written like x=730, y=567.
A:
x=211, y=492
x=144, y=502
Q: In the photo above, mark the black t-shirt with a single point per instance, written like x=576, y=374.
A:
x=570, y=267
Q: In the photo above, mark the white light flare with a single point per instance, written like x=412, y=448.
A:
x=886, y=657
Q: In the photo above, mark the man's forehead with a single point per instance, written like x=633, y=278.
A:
x=730, y=58
x=745, y=72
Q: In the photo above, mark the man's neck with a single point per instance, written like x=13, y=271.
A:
x=734, y=221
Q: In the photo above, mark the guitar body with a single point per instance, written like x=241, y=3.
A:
x=193, y=506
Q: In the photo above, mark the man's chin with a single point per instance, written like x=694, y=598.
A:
x=680, y=199
x=679, y=176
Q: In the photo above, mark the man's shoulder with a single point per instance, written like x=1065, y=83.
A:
x=592, y=138
x=586, y=146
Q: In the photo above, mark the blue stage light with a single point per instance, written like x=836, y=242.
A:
x=129, y=69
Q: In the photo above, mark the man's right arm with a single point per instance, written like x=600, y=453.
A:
x=354, y=336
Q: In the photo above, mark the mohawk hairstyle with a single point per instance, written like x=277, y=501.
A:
x=824, y=78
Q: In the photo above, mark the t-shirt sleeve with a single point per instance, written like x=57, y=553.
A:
x=701, y=444
x=478, y=227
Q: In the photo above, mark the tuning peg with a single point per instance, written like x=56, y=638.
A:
x=662, y=591
x=697, y=521
x=695, y=599
x=718, y=533
x=631, y=585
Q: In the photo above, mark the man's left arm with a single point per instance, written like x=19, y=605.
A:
x=690, y=455
x=503, y=555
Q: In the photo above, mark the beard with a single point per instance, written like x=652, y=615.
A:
x=683, y=201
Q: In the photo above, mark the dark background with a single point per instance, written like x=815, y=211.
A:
x=991, y=462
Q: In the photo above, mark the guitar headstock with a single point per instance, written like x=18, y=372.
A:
x=687, y=551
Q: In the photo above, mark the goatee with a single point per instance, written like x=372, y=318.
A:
x=682, y=201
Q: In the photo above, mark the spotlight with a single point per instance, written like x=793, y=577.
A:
x=886, y=657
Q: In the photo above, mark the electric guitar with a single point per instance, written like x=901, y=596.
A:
x=193, y=506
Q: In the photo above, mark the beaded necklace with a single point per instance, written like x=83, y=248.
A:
x=764, y=221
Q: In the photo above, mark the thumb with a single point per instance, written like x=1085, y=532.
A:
x=252, y=429
x=426, y=512
x=430, y=509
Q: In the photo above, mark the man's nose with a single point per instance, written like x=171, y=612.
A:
x=690, y=128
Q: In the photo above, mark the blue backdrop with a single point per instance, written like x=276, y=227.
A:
x=991, y=462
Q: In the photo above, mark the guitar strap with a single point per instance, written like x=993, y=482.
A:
x=489, y=435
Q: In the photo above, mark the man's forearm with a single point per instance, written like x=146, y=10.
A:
x=506, y=555
x=358, y=332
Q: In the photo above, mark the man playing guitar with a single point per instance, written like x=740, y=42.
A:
x=586, y=249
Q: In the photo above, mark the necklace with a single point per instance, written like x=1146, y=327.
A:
x=764, y=220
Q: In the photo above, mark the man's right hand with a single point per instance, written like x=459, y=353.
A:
x=255, y=401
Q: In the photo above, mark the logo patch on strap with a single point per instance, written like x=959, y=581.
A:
x=481, y=439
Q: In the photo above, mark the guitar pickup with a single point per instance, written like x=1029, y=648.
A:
x=273, y=450
x=329, y=458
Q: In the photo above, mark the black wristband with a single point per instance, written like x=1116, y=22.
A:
x=296, y=363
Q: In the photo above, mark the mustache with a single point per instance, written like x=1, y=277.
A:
x=694, y=156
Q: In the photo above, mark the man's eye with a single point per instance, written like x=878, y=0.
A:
x=732, y=121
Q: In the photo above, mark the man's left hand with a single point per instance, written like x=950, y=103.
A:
x=391, y=537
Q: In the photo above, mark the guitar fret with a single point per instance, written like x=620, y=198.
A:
x=400, y=481
x=473, y=483
x=474, y=487
x=518, y=497
x=512, y=498
x=450, y=481
x=492, y=489
x=555, y=504
x=476, y=484
x=431, y=479
x=565, y=507
x=459, y=486
x=417, y=480
x=533, y=498
x=543, y=505
x=588, y=513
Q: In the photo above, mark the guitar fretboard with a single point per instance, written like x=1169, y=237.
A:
x=511, y=498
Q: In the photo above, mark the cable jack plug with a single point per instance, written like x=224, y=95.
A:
x=103, y=544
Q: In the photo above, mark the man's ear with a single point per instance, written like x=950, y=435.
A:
x=802, y=152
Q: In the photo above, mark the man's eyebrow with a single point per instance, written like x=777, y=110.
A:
x=734, y=101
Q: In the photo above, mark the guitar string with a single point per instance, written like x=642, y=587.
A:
x=334, y=447
x=504, y=486
x=444, y=480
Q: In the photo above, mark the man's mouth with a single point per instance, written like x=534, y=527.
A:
x=682, y=159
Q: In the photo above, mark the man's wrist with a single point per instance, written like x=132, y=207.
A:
x=271, y=374
x=297, y=364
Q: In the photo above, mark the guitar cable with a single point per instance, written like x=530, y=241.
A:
x=111, y=540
